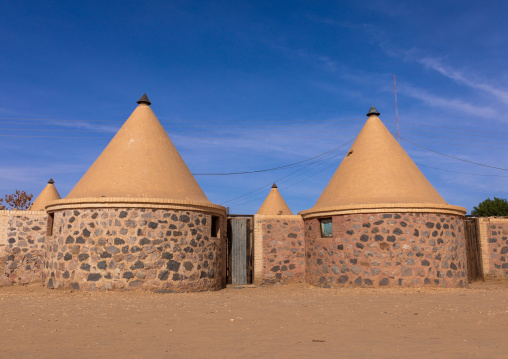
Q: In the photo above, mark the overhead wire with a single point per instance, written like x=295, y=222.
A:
x=455, y=158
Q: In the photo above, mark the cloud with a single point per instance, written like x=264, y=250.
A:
x=461, y=78
x=454, y=105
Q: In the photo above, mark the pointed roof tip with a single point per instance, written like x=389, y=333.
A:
x=373, y=112
x=144, y=99
x=274, y=185
x=51, y=181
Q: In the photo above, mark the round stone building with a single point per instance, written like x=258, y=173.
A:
x=137, y=219
x=379, y=222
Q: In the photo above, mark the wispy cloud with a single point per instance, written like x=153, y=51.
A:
x=455, y=105
x=461, y=78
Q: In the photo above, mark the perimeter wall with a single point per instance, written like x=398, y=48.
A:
x=494, y=245
x=22, y=241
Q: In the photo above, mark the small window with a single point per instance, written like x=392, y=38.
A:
x=49, y=228
x=215, y=226
x=326, y=227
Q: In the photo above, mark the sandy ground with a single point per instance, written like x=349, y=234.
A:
x=265, y=322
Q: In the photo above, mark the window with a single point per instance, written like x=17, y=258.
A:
x=326, y=227
x=215, y=226
x=49, y=228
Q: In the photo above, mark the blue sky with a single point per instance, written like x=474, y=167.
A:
x=242, y=86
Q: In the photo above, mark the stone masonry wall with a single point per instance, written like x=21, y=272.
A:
x=279, y=249
x=22, y=237
x=494, y=244
x=140, y=249
x=387, y=249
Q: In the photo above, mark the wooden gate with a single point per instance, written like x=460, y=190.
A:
x=473, y=250
x=240, y=250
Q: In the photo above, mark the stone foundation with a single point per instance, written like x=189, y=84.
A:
x=494, y=245
x=279, y=249
x=135, y=249
x=22, y=237
x=387, y=249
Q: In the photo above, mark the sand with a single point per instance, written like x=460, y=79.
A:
x=295, y=321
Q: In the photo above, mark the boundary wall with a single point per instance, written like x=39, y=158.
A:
x=22, y=245
x=279, y=249
x=494, y=245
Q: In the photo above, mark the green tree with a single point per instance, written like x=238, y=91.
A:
x=17, y=200
x=491, y=207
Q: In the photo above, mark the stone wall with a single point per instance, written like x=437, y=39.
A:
x=22, y=236
x=135, y=249
x=494, y=245
x=279, y=249
x=387, y=249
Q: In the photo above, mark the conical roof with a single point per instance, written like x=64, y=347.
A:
x=48, y=194
x=274, y=204
x=140, y=162
x=377, y=170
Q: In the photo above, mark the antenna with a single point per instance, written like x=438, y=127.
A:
x=396, y=107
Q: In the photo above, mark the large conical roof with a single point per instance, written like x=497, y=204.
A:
x=140, y=162
x=377, y=170
x=274, y=204
x=48, y=194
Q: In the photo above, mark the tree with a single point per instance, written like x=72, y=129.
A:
x=18, y=200
x=496, y=207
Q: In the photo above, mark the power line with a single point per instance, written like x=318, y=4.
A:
x=455, y=158
x=465, y=173
x=272, y=169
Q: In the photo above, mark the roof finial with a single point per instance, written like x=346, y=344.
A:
x=144, y=99
x=51, y=181
x=373, y=112
x=274, y=186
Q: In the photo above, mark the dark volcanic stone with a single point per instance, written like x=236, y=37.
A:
x=384, y=281
x=275, y=269
x=397, y=231
x=86, y=233
x=66, y=274
x=105, y=255
x=367, y=281
x=152, y=225
x=94, y=277
x=416, y=233
x=188, y=265
x=83, y=256
x=343, y=279
x=390, y=238
x=366, y=225
x=340, y=247
x=377, y=223
x=353, y=261
x=102, y=265
x=173, y=265
x=429, y=225
x=119, y=241
x=164, y=275
x=80, y=240
x=350, y=232
x=504, y=250
x=123, y=214
x=75, y=286
x=375, y=230
x=358, y=281
x=67, y=257
x=425, y=263
x=426, y=281
x=359, y=245
x=167, y=255
x=128, y=275
x=69, y=240
x=364, y=238
x=184, y=218
x=387, y=216
x=85, y=266
x=137, y=265
x=379, y=238
x=144, y=241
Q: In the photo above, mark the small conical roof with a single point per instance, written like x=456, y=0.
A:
x=140, y=162
x=377, y=170
x=274, y=204
x=48, y=194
